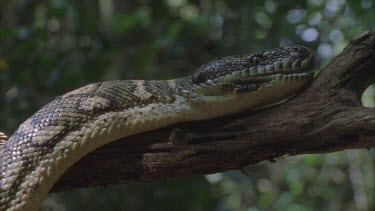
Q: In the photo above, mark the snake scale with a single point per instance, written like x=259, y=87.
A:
x=76, y=123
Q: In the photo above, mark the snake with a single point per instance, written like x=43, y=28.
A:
x=78, y=122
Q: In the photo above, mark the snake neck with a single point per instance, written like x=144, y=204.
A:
x=206, y=102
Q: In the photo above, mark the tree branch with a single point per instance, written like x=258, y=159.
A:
x=326, y=117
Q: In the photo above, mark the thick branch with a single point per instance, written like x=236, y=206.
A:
x=324, y=118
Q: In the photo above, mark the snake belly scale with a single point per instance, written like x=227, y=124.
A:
x=74, y=124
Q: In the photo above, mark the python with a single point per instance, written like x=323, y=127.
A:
x=76, y=123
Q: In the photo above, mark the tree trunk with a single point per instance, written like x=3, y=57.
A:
x=326, y=117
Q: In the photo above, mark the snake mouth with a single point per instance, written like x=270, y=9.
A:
x=285, y=66
x=280, y=72
x=285, y=71
x=256, y=83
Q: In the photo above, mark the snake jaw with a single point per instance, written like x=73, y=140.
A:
x=258, y=83
x=243, y=74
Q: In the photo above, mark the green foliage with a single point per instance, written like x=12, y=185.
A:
x=195, y=192
x=50, y=47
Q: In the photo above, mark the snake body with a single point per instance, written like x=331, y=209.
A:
x=72, y=125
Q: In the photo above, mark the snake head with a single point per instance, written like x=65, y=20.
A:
x=286, y=66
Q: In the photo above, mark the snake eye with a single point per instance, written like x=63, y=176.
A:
x=200, y=78
x=295, y=49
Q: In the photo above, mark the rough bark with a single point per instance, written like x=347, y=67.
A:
x=326, y=117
